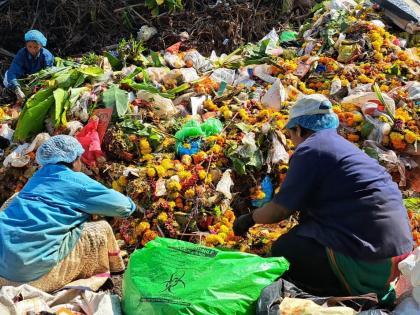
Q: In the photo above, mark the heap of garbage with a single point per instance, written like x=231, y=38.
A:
x=196, y=141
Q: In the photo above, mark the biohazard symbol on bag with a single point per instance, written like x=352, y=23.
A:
x=173, y=281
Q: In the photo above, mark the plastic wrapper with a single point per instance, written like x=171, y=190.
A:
x=90, y=141
x=264, y=73
x=156, y=74
x=175, y=277
x=146, y=32
x=162, y=107
x=389, y=158
x=222, y=74
x=173, y=60
x=275, y=96
x=199, y=62
x=224, y=185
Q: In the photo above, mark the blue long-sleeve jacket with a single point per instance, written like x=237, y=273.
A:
x=44, y=221
x=24, y=64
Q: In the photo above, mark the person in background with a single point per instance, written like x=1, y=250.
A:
x=30, y=59
x=46, y=238
x=354, y=228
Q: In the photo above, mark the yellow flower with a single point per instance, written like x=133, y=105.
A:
x=167, y=164
x=186, y=159
x=216, y=149
x=160, y=170
x=144, y=146
x=410, y=136
x=151, y=172
x=142, y=227
x=173, y=185
x=162, y=217
x=122, y=181
x=364, y=79
x=202, y=174
x=147, y=157
x=402, y=114
x=184, y=175
x=189, y=193
x=116, y=186
x=171, y=205
x=243, y=114
x=213, y=239
x=224, y=229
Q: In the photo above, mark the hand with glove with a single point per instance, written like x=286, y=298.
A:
x=242, y=224
x=20, y=95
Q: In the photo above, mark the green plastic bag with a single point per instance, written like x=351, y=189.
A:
x=212, y=126
x=175, y=277
x=192, y=129
x=288, y=36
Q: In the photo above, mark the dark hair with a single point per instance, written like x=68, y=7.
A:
x=305, y=131
x=69, y=165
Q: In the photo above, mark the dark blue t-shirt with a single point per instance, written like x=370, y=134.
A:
x=347, y=200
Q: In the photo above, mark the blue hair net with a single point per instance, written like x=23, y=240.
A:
x=315, y=122
x=58, y=149
x=37, y=36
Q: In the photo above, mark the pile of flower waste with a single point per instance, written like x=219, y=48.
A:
x=196, y=141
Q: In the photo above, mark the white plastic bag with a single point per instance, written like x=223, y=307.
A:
x=223, y=74
x=362, y=98
x=410, y=269
x=264, y=73
x=6, y=132
x=199, y=62
x=275, y=96
x=156, y=74
x=146, y=32
x=174, y=61
x=225, y=184
x=162, y=107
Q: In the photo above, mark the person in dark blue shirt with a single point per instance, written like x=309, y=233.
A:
x=30, y=59
x=353, y=228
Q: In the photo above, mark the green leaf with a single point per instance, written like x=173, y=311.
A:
x=31, y=120
x=239, y=166
x=116, y=98
x=40, y=96
x=412, y=204
x=116, y=64
x=92, y=71
x=60, y=98
x=179, y=89
x=157, y=62
x=75, y=94
x=243, y=127
x=256, y=160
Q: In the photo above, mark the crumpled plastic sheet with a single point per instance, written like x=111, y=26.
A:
x=19, y=157
x=90, y=141
x=275, y=96
x=273, y=295
x=410, y=270
x=225, y=184
x=76, y=300
x=390, y=159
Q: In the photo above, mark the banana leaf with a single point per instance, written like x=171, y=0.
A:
x=116, y=64
x=117, y=99
x=92, y=71
x=31, y=120
x=60, y=99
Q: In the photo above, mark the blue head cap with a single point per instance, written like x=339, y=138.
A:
x=61, y=148
x=313, y=112
x=36, y=36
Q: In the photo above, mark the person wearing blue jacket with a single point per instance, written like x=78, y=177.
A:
x=45, y=237
x=30, y=59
